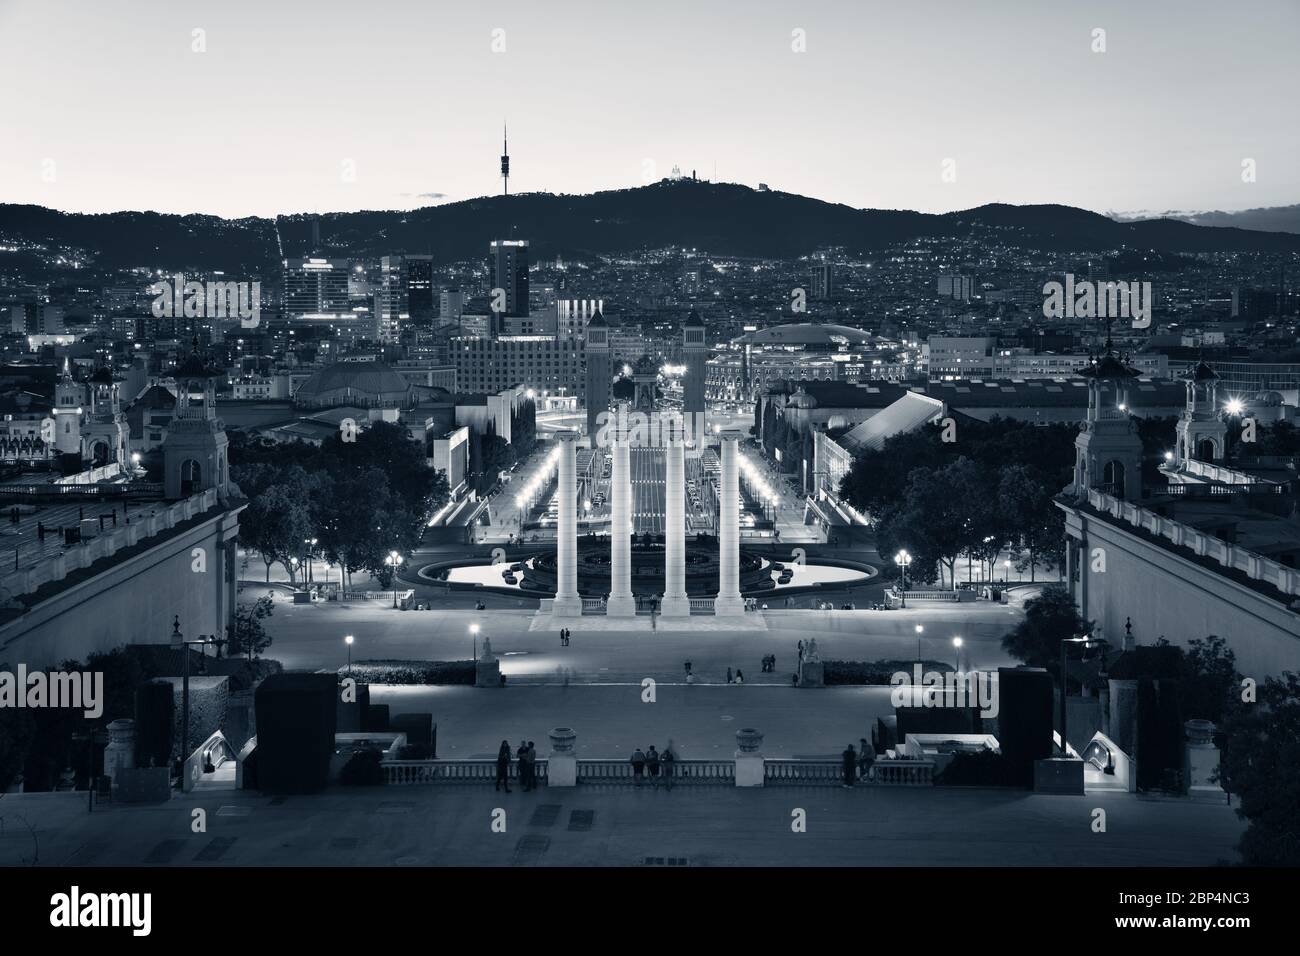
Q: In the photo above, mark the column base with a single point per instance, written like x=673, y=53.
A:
x=675, y=605
x=620, y=605
x=562, y=770
x=729, y=606
x=566, y=606
x=749, y=769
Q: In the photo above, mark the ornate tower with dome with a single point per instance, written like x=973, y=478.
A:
x=194, y=453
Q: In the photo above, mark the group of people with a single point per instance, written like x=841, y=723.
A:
x=737, y=678
x=769, y=664
x=654, y=763
x=857, y=763
x=527, y=757
x=564, y=636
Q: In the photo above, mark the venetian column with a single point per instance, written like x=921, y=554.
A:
x=621, y=602
x=567, y=601
x=729, y=601
x=675, y=602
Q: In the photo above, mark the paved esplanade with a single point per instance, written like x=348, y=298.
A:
x=621, y=602
x=675, y=602
x=704, y=826
x=568, y=603
x=729, y=601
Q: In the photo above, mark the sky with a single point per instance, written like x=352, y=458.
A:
x=327, y=105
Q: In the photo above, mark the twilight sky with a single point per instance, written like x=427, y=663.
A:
x=107, y=98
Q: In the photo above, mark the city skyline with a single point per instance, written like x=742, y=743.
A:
x=1027, y=113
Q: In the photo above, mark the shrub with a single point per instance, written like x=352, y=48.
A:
x=362, y=770
x=983, y=769
x=410, y=672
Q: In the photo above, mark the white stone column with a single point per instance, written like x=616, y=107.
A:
x=675, y=602
x=621, y=603
x=567, y=601
x=729, y=601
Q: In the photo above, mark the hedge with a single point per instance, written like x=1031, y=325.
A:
x=876, y=673
x=410, y=672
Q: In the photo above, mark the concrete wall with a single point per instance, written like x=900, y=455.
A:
x=1167, y=595
x=134, y=600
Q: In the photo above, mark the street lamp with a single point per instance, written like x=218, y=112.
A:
x=1084, y=641
x=394, y=560
x=473, y=630
x=956, y=643
x=178, y=641
x=348, y=641
x=903, y=559
x=919, y=629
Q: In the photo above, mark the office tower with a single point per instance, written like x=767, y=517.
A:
x=451, y=305
x=390, y=299
x=508, y=269
x=821, y=280
x=598, y=372
x=956, y=287
x=417, y=285
x=316, y=288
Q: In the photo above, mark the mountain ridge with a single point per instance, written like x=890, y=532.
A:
x=714, y=218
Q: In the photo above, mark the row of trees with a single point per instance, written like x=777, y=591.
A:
x=990, y=489
x=358, y=499
x=490, y=454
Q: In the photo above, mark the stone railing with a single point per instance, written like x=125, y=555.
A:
x=1254, y=566
x=374, y=595
x=469, y=770
x=902, y=773
x=158, y=520
x=619, y=770
x=701, y=605
x=593, y=606
x=825, y=772
x=806, y=772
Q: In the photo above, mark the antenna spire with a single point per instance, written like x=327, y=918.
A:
x=505, y=160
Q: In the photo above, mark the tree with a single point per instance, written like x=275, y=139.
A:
x=1028, y=516
x=1049, y=619
x=1209, y=677
x=945, y=511
x=1260, y=763
x=247, y=635
x=275, y=524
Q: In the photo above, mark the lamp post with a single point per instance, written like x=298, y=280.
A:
x=1085, y=641
x=473, y=631
x=956, y=643
x=90, y=738
x=348, y=641
x=919, y=629
x=394, y=561
x=903, y=559
x=178, y=640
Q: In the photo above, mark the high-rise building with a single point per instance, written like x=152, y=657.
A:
x=956, y=287
x=508, y=269
x=417, y=282
x=821, y=280
x=316, y=288
x=390, y=299
x=451, y=305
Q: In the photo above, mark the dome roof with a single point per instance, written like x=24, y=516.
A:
x=807, y=334
x=354, y=383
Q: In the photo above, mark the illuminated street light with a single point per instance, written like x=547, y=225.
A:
x=956, y=643
x=348, y=641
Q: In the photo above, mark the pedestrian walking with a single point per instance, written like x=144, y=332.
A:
x=652, y=765
x=666, y=762
x=638, y=765
x=850, y=766
x=503, y=766
x=729, y=678
x=561, y=637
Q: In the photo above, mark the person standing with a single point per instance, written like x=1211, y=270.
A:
x=503, y=766
x=521, y=755
x=866, y=757
x=740, y=676
x=850, y=766
x=652, y=765
x=638, y=765
x=729, y=678
x=532, y=766
x=666, y=760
